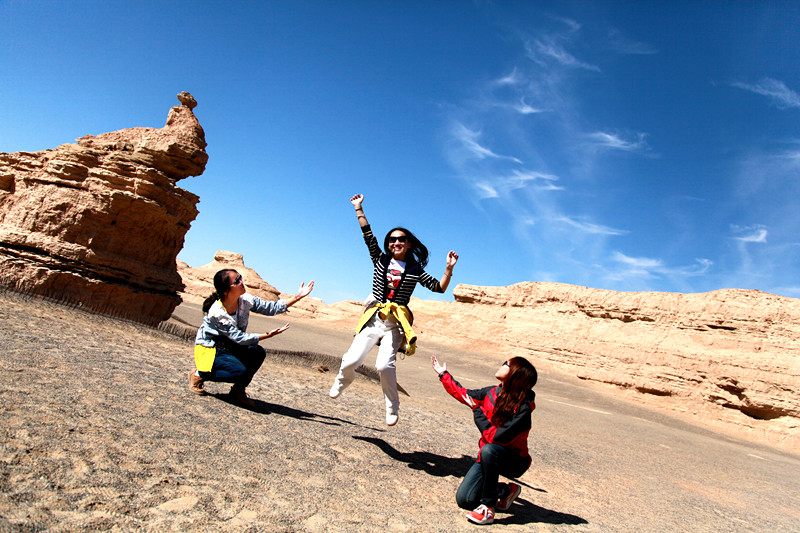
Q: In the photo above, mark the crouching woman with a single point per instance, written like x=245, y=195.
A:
x=503, y=416
x=224, y=351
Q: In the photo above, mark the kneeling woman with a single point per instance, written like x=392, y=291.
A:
x=503, y=416
x=223, y=350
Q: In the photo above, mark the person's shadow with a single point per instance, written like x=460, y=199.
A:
x=430, y=463
x=522, y=511
x=525, y=512
x=266, y=408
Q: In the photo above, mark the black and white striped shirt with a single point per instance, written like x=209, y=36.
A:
x=413, y=274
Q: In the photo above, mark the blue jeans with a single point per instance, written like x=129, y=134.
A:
x=480, y=484
x=236, y=365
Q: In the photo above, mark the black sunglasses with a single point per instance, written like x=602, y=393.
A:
x=398, y=238
x=237, y=281
x=505, y=363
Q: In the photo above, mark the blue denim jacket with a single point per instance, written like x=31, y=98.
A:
x=218, y=322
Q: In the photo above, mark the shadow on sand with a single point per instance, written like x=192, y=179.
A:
x=266, y=408
x=522, y=512
x=430, y=463
x=525, y=512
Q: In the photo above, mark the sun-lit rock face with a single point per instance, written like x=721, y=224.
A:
x=100, y=222
x=728, y=358
x=199, y=283
x=734, y=350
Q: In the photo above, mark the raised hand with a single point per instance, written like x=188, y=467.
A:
x=452, y=258
x=304, y=290
x=356, y=200
x=439, y=368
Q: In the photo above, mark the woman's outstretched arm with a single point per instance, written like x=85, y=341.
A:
x=302, y=292
x=356, y=201
x=453, y=387
x=452, y=258
x=276, y=331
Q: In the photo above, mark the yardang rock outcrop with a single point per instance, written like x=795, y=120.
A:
x=733, y=351
x=199, y=283
x=99, y=223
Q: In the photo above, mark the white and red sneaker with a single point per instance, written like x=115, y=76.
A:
x=481, y=515
x=513, y=492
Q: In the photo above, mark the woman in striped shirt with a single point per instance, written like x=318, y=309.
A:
x=387, y=319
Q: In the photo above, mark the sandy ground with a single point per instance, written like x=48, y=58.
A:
x=98, y=432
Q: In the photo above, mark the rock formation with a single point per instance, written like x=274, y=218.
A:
x=735, y=350
x=199, y=282
x=99, y=223
x=727, y=358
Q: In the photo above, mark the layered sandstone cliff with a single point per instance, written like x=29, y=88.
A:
x=727, y=358
x=736, y=350
x=100, y=222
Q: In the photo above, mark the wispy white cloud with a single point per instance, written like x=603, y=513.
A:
x=572, y=25
x=639, y=263
x=623, y=45
x=524, y=108
x=534, y=112
x=469, y=140
x=590, y=227
x=540, y=50
x=486, y=190
x=520, y=179
x=503, y=185
x=612, y=141
x=648, y=268
x=751, y=233
x=513, y=78
x=777, y=91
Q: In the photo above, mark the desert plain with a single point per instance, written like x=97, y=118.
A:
x=99, y=432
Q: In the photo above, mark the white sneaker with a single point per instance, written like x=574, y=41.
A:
x=336, y=390
x=481, y=515
x=391, y=419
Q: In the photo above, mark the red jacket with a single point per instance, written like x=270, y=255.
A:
x=513, y=433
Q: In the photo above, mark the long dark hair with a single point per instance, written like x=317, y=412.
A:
x=417, y=250
x=222, y=284
x=521, y=378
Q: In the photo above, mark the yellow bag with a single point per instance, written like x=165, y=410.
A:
x=204, y=357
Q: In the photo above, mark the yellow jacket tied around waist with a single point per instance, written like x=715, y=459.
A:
x=403, y=315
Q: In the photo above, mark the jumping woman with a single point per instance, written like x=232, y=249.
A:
x=503, y=416
x=223, y=350
x=399, y=266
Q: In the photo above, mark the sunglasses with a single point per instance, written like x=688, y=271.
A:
x=398, y=238
x=505, y=363
x=237, y=281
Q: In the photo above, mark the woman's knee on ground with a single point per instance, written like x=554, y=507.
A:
x=467, y=497
x=468, y=494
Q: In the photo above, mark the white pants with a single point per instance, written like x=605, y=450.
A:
x=390, y=334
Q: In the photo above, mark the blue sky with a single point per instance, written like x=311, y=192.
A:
x=618, y=145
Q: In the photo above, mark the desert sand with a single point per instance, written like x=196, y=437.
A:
x=100, y=433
